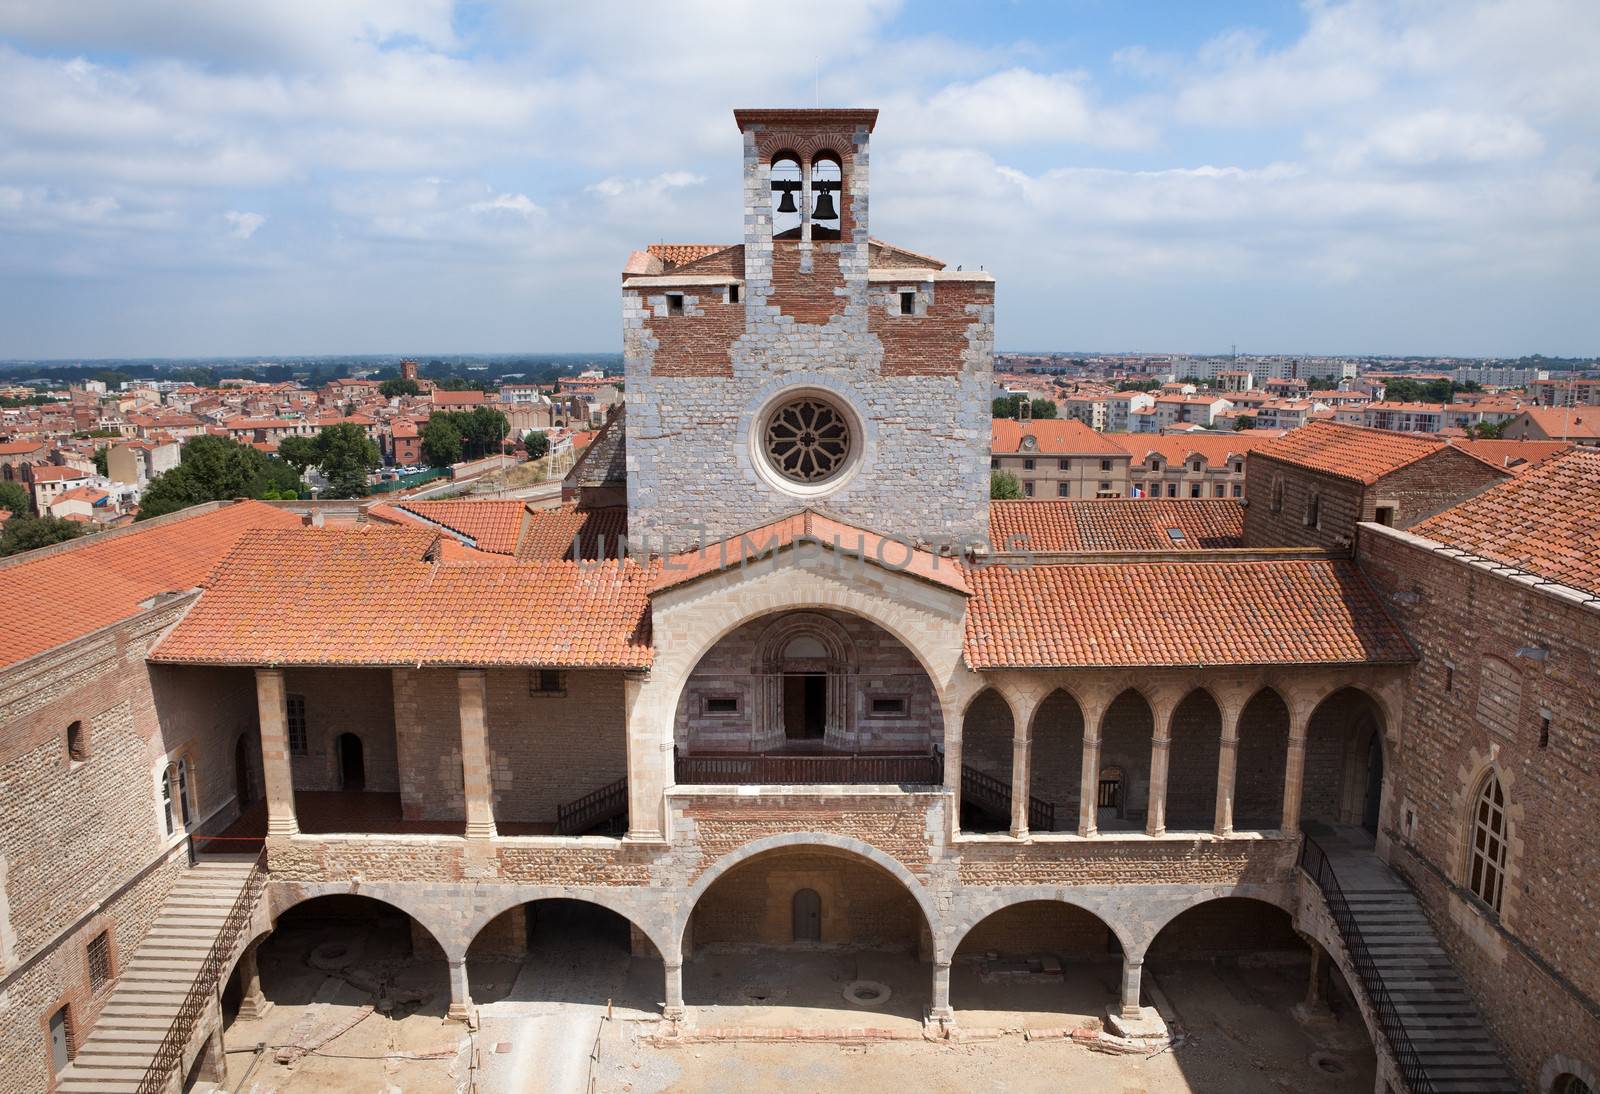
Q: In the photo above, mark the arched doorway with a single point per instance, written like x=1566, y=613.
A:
x=568, y=952
x=1056, y=765
x=986, y=745
x=352, y=762
x=1343, y=780
x=1236, y=970
x=1196, y=734
x=1124, y=789
x=1040, y=963
x=805, y=927
x=1263, y=755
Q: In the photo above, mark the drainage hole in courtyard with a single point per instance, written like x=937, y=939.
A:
x=866, y=993
x=1328, y=1065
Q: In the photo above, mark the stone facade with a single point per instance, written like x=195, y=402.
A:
x=810, y=314
x=1532, y=963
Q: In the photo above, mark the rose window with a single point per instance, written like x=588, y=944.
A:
x=807, y=440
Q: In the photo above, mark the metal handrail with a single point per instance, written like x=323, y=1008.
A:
x=169, y=1055
x=1314, y=861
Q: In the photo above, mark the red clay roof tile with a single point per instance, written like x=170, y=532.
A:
x=1351, y=452
x=1116, y=524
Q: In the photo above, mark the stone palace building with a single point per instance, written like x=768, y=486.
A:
x=776, y=675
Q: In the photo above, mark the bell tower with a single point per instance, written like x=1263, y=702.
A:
x=809, y=366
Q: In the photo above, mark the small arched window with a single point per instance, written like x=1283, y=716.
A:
x=1570, y=1084
x=1277, y=493
x=77, y=743
x=1314, y=510
x=786, y=194
x=1486, y=863
x=827, y=190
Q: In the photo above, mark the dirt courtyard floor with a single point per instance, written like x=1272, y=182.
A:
x=543, y=1026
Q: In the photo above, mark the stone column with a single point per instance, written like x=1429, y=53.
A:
x=953, y=717
x=1313, y=1000
x=650, y=760
x=1294, y=773
x=272, y=703
x=475, y=780
x=1132, y=973
x=1089, y=782
x=253, y=1003
x=1155, y=822
x=460, y=993
x=1227, y=770
x=941, y=1011
x=1021, y=765
x=673, y=1010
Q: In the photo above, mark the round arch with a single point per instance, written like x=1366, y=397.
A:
x=1275, y=896
x=282, y=903
x=802, y=841
x=1561, y=1074
x=634, y=911
x=979, y=911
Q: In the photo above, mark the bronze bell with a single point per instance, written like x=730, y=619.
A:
x=786, y=202
x=825, y=209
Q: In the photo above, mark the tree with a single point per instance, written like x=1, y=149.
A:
x=344, y=453
x=393, y=389
x=457, y=383
x=28, y=533
x=14, y=496
x=480, y=430
x=1003, y=486
x=1483, y=431
x=1243, y=422
x=216, y=469
x=298, y=452
x=537, y=442
x=102, y=464
x=441, y=441
x=1320, y=383
x=1010, y=406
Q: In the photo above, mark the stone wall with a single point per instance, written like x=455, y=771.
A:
x=1040, y=927
x=1277, y=517
x=1533, y=966
x=427, y=727
x=548, y=749
x=339, y=701
x=860, y=905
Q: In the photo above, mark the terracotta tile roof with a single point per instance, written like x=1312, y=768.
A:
x=58, y=474
x=550, y=533
x=677, y=254
x=373, y=596
x=888, y=256
x=1116, y=524
x=493, y=525
x=1055, y=436
x=1351, y=452
x=1517, y=456
x=1545, y=521
x=1568, y=423
x=61, y=593
x=1177, y=613
x=1216, y=450
x=456, y=398
x=752, y=547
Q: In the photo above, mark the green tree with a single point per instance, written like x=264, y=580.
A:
x=537, y=442
x=1003, y=486
x=481, y=430
x=1483, y=431
x=1010, y=406
x=216, y=469
x=344, y=454
x=298, y=452
x=1320, y=383
x=441, y=441
x=28, y=533
x=1243, y=422
x=102, y=465
x=14, y=496
x=457, y=383
x=392, y=389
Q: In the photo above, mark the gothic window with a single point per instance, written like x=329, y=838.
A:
x=1486, y=863
x=807, y=440
x=1313, y=515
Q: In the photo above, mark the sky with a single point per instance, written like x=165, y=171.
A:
x=195, y=178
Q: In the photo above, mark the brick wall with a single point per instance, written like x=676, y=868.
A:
x=1259, y=767
x=339, y=701
x=933, y=341
x=860, y=904
x=1428, y=486
x=545, y=750
x=1229, y=926
x=698, y=342
x=1534, y=967
x=427, y=724
x=1192, y=763
x=1165, y=863
x=1340, y=505
x=81, y=848
x=1125, y=733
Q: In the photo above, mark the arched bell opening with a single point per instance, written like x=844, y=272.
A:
x=827, y=194
x=788, y=194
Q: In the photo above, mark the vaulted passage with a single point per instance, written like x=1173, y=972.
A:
x=564, y=951
x=1124, y=783
x=808, y=697
x=1192, y=767
x=987, y=733
x=1344, y=762
x=1056, y=774
x=1045, y=962
x=1263, y=754
x=799, y=927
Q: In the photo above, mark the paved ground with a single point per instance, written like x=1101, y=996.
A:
x=544, y=1027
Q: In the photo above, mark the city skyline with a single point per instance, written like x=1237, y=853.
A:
x=1348, y=178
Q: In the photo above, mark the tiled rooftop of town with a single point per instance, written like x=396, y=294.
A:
x=1546, y=521
x=1051, y=435
x=1116, y=524
x=1349, y=451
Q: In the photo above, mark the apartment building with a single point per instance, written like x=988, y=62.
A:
x=1059, y=458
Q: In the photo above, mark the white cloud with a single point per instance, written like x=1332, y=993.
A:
x=1016, y=106
x=1444, y=137
x=243, y=225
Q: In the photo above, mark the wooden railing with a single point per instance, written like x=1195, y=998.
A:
x=168, y=1057
x=810, y=769
x=593, y=809
x=994, y=796
x=1314, y=861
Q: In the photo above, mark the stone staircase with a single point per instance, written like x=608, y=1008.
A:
x=151, y=988
x=1427, y=1012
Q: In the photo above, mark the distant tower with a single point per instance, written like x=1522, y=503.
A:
x=809, y=366
x=408, y=369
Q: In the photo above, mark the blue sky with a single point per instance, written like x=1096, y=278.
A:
x=183, y=177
